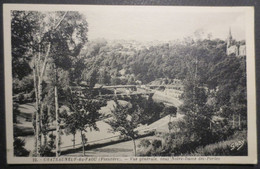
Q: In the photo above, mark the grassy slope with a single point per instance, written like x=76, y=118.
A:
x=236, y=145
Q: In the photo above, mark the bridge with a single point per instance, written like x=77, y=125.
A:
x=127, y=90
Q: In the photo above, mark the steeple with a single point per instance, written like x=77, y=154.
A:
x=229, y=39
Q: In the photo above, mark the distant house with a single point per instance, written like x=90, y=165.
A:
x=237, y=49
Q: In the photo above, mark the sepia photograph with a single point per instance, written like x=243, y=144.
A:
x=129, y=84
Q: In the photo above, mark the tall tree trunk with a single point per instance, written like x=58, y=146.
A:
x=44, y=128
x=73, y=140
x=83, y=143
x=169, y=124
x=57, y=118
x=36, y=116
x=134, y=146
x=39, y=72
x=45, y=139
x=41, y=124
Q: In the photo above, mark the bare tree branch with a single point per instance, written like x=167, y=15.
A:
x=60, y=20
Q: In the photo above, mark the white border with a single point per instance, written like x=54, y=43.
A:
x=251, y=93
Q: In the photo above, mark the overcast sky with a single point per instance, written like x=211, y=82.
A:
x=149, y=23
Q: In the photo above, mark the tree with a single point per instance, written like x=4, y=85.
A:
x=239, y=105
x=125, y=120
x=90, y=76
x=231, y=93
x=19, y=149
x=23, y=29
x=152, y=110
x=67, y=42
x=56, y=84
x=83, y=113
x=104, y=77
x=115, y=81
x=171, y=111
x=198, y=115
x=131, y=81
x=56, y=35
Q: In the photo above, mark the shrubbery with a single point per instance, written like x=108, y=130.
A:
x=46, y=150
x=179, y=145
x=19, y=149
x=150, y=147
x=236, y=146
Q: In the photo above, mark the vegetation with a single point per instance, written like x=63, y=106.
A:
x=235, y=145
x=125, y=119
x=150, y=147
x=50, y=57
x=48, y=40
x=212, y=111
x=82, y=114
x=19, y=149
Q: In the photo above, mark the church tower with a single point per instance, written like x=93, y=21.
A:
x=229, y=39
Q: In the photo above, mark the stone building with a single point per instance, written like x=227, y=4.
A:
x=233, y=47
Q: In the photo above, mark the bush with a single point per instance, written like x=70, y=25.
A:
x=221, y=132
x=178, y=144
x=150, y=148
x=236, y=145
x=223, y=148
x=144, y=143
x=46, y=150
x=239, y=135
x=16, y=111
x=19, y=149
x=156, y=144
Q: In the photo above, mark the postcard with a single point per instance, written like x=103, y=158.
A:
x=129, y=84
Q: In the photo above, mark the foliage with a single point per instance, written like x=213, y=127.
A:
x=200, y=126
x=16, y=112
x=223, y=148
x=46, y=149
x=151, y=110
x=177, y=144
x=150, y=147
x=167, y=60
x=23, y=27
x=145, y=143
x=198, y=115
x=83, y=111
x=214, y=84
x=104, y=77
x=125, y=119
x=25, y=85
x=91, y=77
x=19, y=149
x=40, y=40
x=169, y=110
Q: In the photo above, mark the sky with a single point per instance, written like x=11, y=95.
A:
x=150, y=23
